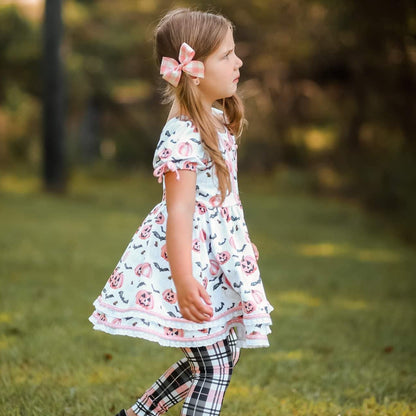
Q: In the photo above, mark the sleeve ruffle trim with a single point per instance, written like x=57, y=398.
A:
x=173, y=167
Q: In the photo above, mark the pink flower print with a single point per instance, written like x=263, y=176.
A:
x=196, y=245
x=144, y=299
x=116, y=279
x=223, y=257
x=144, y=232
x=160, y=219
x=174, y=332
x=143, y=269
x=164, y=153
x=170, y=296
x=185, y=149
x=214, y=267
x=249, y=307
x=249, y=264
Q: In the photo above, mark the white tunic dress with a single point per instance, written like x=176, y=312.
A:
x=139, y=299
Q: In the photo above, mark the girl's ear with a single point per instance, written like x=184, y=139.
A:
x=195, y=80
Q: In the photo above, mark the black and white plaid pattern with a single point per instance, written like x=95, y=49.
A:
x=201, y=377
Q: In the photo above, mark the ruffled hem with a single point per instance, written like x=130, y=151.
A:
x=248, y=336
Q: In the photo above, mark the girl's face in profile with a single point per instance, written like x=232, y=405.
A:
x=221, y=72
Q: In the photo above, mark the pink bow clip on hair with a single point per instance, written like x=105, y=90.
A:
x=171, y=69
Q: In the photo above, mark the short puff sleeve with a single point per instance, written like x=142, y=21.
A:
x=179, y=148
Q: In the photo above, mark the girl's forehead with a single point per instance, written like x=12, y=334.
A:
x=228, y=42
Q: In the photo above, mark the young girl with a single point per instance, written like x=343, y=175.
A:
x=189, y=277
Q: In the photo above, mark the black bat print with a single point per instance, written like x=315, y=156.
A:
x=157, y=235
x=220, y=307
x=204, y=195
x=154, y=290
x=167, y=133
x=136, y=247
x=221, y=244
x=127, y=267
x=109, y=296
x=213, y=237
x=171, y=314
x=213, y=215
x=256, y=282
x=140, y=284
x=230, y=307
x=238, y=285
x=235, y=218
x=161, y=269
x=121, y=293
x=242, y=248
x=195, y=141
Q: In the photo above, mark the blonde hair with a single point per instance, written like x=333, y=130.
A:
x=204, y=32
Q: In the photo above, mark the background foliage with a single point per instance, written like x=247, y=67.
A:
x=329, y=86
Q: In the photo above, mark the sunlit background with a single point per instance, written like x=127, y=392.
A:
x=327, y=169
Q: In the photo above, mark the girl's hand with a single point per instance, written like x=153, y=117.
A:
x=256, y=252
x=193, y=301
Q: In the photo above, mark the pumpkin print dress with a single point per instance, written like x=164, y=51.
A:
x=139, y=298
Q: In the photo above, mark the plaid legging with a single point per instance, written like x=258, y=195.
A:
x=200, y=378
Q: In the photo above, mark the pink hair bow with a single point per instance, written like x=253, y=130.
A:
x=171, y=69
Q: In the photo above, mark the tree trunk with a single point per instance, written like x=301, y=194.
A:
x=54, y=164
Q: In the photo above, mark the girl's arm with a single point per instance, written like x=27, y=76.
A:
x=193, y=299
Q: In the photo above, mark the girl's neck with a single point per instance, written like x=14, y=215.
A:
x=176, y=111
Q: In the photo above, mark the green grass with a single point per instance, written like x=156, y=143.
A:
x=343, y=286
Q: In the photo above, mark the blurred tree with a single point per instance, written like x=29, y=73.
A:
x=54, y=161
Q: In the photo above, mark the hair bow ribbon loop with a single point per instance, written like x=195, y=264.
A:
x=171, y=69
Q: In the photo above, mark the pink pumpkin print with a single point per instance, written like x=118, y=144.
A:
x=225, y=213
x=143, y=269
x=164, y=252
x=215, y=200
x=169, y=295
x=202, y=235
x=160, y=219
x=144, y=232
x=164, y=153
x=102, y=317
x=185, y=149
x=196, y=245
x=190, y=166
x=257, y=296
x=205, y=282
x=214, y=267
x=116, y=279
x=249, y=264
x=174, y=332
x=249, y=307
x=223, y=257
x=232, y=243
x=116, y=322
x=201, y=207
x=144, y=299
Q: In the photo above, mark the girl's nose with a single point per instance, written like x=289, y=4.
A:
x=239, y=62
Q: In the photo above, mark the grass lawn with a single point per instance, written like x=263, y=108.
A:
x=343, y=341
